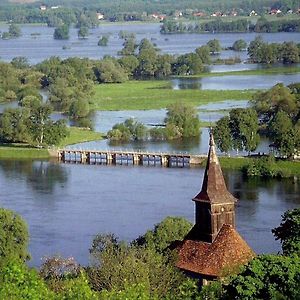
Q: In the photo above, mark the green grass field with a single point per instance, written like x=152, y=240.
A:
x=80, y=135
x=22, y=152
x=143, y=95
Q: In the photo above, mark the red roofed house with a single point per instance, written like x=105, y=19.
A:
x=213, y=248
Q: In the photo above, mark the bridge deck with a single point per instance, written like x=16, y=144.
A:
x=165, y=159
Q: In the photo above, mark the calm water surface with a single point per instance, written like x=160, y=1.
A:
x=39, y=47
x=66, y=205
x=234, y=82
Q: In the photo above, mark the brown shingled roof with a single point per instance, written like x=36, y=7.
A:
x=214, y=189
x=227, y=251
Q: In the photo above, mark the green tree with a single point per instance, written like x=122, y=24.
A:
x=164, y=233
x=117, y=266
x=108, y=70
x=61, y=32
x=14, y=31
x=204, y=54
x=103, y=41
x=290, y=53
x=14, y=125
x=184, y=118
x=188, y=64
x=268, y=103
x=239, y=45
x=19, y=282
x=222, y=134
x=253, y=49
x=14, y=238
x=83, y=32
x=214, y=46
x=267, y=277
x=129, y=47
x=283, y=134
x=288, y=232
x=129, y=63
x=129, y=130
x=79, y=109
x=244, y=129
x=20, y=62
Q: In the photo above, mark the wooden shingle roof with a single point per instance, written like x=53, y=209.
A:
x=214, y=189
x=226, y=252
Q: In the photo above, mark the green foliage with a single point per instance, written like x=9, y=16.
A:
x=288, y=232
x=83, y=32
x=239, y=45
x=267, y=277
x=182, y=121
x=262, y=52
x=77, y=288
x=14, y=31
x=204, y=54
x=238, y=131
x=284, y=135
x=61, y=32
x=214, y=46
x=14, y=125
x=264, y=167
x=117, y=266
x=109, y=70
x=129, y=46
x=14, y=237
x=188, y=64
x=18, y=282
x=222, y=134
x=132, y=292
x=279, y=97
x=164, y=233
x=103, y=41
x=79, y=109
x=20, y=62
x=129, y=130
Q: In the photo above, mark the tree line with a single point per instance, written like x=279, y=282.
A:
x=121, y=10
x=239, y=25
x=274, y=113
x=144, y=268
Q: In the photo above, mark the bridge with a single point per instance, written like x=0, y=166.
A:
x=124, y=157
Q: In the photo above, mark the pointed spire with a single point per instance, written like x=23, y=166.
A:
x=214, y=189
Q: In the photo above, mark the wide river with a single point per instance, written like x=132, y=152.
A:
x=66, y=205
x=37, y=43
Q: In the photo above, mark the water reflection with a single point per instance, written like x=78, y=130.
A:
x=66, y=205
x=234, y=82
x=41, y=176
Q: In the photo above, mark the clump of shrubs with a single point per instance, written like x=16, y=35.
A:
x=266, y=167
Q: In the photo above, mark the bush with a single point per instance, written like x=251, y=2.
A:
x=14, y=237
x=19, y=282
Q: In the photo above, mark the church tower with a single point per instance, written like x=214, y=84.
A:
x=213, y=246
x=214, y=203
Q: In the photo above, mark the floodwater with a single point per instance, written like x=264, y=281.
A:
x=37, y=43
x=234, y=82
x=65, y=205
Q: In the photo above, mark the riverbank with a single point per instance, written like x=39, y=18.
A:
x=25, y=151
x=144, y=95
x=285, y=167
